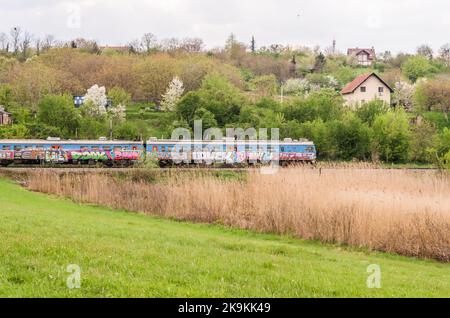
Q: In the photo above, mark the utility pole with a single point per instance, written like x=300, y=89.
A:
x=110, y=129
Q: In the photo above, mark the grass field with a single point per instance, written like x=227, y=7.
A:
x=123, y=254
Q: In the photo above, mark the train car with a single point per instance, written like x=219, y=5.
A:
x=231, y=152
x=57, y=151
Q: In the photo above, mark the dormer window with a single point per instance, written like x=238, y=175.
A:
x=363, y=89
x=380, y=90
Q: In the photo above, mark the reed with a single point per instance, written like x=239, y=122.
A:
x=397, y=211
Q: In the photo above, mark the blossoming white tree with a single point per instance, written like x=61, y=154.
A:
x=172, y=95
x=95, y=101
x=403, y=95
x=118, y=112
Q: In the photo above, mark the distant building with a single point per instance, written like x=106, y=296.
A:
x=364, y=57
x=78, y=101
x=5, y=117
x=366, y=88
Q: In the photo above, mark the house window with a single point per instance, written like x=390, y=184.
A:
x=363, y=89
x=380, y=89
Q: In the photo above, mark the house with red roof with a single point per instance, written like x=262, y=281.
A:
x=366, y=88
x=364, y=57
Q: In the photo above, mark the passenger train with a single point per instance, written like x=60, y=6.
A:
x=166, y=152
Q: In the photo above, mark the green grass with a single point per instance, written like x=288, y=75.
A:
x=123, y=254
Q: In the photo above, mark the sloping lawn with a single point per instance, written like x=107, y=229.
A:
x=127, y=255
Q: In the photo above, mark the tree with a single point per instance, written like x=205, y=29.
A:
x=59, y=111
x=192, y=45
x=319, y=62
x=172, y=95
x=392, y=137
x=434, y=95
x=15, y=37
x=422, y=141
x=25, y=44
x=118, y=96
x=416, y=67
x=3, y=42
x=444, y=54
x=95, y=101
x=425, y=51
x=188, y=106
x=403, y=95
x=351, y=136
x=265, y=85
x=148, y=42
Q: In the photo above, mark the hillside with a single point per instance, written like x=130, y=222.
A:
x=123, y=254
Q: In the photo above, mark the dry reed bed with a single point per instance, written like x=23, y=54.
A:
x=396, y=211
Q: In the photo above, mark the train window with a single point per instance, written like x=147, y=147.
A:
x=6, y=147
x=163, y=148
x=282, y=149
x=135, y=148
x=56, y=147
x=106, y=148
x=170, y=149
x=40, y=148
x=17, y=148
x=116, y=148
x=95, y=148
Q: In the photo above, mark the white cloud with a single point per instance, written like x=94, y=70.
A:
x=399, y=25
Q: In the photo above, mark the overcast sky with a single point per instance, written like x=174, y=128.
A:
x=395, y=25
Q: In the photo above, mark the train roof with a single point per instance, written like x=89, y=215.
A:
x=251, y=142
x=66, y=142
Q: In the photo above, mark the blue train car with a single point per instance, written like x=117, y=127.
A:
x=169, y=152
x=69, y=151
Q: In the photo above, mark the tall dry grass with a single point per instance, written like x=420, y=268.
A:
x=395, y=211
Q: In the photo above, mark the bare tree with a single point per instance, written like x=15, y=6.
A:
x=3, y=41
x=148, y=42
x=38, y=46
x=170, y=45
x=192, y=45
x=425, y=50
x=15, y=37
x=48, y=42
x=444, y=53
x=26, y=43
x=134, y=46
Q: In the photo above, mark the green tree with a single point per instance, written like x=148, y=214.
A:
x=119, y=96
x=416, y=67
x=392, y=137
x=351, y=136
x=59, y=111
x=370, y=110
x=126, y=131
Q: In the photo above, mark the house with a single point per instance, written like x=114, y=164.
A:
x=364, y=57
x=5, y=117
x=365, y=88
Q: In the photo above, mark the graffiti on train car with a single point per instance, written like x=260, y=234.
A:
x=62, y=156
x=229, y=157
x=89, y=155
x=6, y=155
x=127, y=155
x=56, y=156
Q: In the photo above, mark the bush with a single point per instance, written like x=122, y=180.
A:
x=392, y=137
x=416, y=67
x=59, y=112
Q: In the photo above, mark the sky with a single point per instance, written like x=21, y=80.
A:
x=394, y=25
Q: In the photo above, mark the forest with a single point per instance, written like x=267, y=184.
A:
x=150, y=86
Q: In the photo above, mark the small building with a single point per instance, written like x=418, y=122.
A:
x=5, y=117
x=366, y=88
x=364, y=57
